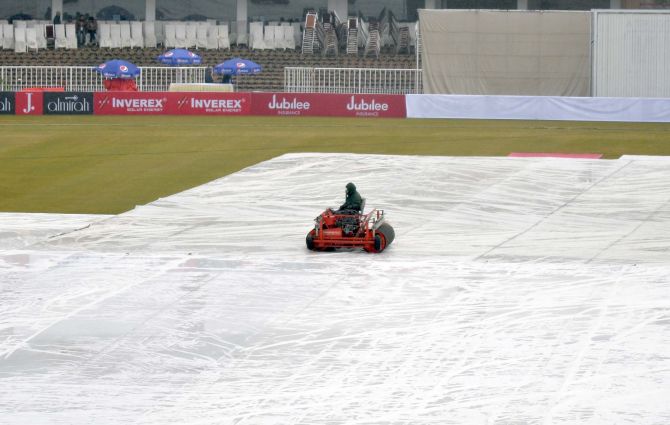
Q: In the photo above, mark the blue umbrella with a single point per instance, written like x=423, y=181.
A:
x=237, y=66
x=118, y=69
x=176, y=57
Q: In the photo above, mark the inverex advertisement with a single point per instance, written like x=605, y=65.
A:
x=213, y=103
x=171, y=103
x=335, y=105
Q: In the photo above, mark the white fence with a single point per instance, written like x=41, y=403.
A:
x=86, y=79
x=352, y=80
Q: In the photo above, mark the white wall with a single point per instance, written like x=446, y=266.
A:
x=560, y=108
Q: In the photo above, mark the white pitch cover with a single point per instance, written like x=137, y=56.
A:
x=517, y=291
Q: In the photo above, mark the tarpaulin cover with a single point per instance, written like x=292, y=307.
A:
x=517, y=290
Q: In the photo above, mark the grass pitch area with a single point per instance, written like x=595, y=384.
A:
x=106, y=164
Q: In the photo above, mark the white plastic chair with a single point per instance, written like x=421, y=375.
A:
x=191, y=34
x=71, y=36
x=60, y=42
x=180, y=36
x=20, y=39
x=104, y=34
x=126, y=40
x=201, y=38
x=136, y=34
x=115, y=35
x=223, y=39
x=31, y=39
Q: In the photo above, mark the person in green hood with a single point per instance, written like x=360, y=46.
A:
x=353, y=202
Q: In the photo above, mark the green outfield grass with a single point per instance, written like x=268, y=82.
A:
x=110, y=164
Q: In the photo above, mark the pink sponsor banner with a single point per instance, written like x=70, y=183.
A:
x=171, y=103
x=329, y=105
x=29, y=103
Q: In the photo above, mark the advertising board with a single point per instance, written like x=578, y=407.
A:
x=68, y=103
x=333, y=105
x=7, y=103
x=172, y=103
x=28, y=103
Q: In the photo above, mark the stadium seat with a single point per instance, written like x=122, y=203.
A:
x=115, y=34
x=149, y=32
x=31, y=39
x=126, y=40
x=170, y=35
x=241, y=36
x=201, y=36
x=256, y=36
x=279, y=37
x=269, y=36
x=297, y=34
x=223, y=39
x=180, y=36
x=191, y=35
x=7, y=36
x=71, y=36
x=20, y=39
x=41, y=35
x=288, y=39
x=60, y=42
x=212, y=37
x=136, y=34
x=104, y=35
x=159, y=30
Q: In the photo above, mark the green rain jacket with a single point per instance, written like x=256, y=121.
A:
x=353, y=200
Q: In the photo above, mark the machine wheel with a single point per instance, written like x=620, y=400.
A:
x=309, y=240
x=383, y=238
x=388, y=232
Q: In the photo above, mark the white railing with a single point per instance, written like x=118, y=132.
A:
x=352, y=80
x=86, y=79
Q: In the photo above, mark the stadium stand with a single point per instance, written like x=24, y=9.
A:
x=272, y=61
x=274, y=45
